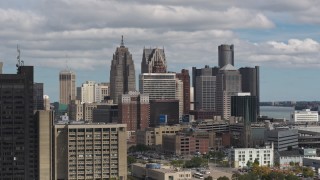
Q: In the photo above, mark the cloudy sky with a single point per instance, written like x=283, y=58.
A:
x=280, y=36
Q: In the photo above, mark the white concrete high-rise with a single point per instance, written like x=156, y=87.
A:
x=93, y=92
x=162, y=86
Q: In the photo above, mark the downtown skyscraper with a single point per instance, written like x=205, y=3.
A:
x=67, y=80
x=122, y=73
x=153, y=61
x=225, y=55
x=18, y=130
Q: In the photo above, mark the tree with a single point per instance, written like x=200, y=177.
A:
x=249, y=164
x=291, y=163
x=195, y=162
x=291, y=177
x=307, y=172
x=208, y=178
x=256, y=162
x=131, y=160
x=177, y=163
x=223, y=178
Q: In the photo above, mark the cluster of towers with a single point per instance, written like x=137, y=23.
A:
x=166, y=97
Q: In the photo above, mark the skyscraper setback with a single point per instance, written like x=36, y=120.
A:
x=67, y=80
x=122, y=73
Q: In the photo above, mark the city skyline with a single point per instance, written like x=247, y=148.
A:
x=280, y=37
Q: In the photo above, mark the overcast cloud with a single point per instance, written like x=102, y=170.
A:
x=84, y=34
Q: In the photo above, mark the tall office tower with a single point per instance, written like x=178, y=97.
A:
x=90, y=151
x=134, y=111
x=122, y=73
x=243, y=105
x=153, y=61
x=205, y=92
x=158, y=85
x=228, y=84
x=162, y=86
x=208, y=75
x=67, y=80
x=250, y=83
x=185, y=78
x=207, y=71
x=225, y=55
x=46, y=102
x=18, y=130
x=240, y=103
x=38, y=96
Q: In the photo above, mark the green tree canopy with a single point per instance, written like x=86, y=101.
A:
x=223, y=178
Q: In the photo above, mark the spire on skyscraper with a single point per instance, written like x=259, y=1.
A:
x=122, y=44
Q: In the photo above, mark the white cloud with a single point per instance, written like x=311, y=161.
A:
x=294, y=53
x=20, y=20
x=296, y=46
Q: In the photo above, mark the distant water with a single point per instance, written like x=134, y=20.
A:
x=276, y=111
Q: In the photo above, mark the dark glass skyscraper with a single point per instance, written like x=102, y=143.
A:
x=122, y=73
x=225, y=55
x=18, y=128
x=250, y=83
x=38, y=96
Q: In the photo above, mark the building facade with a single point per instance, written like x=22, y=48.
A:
x=67, y=80
x=163, y=112
x=122, y=73
x=18, y=130
x=181, y=144
x=93, y=92
x=157, y=171
x=134, y=110
x=305, y=115
x=158, y=85
x=225, y=55
x=38, y=96
x=152, y=136
x=153, y=61
x=241, y=156
x=185, y=78
x=206, y=71
x=283, y=139
x=250, y=82
x=90, y=151
x=228, y=84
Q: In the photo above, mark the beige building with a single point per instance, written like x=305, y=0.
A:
x=152, y=136
x=82, y=111
x=67, y=80
x=45, y=122
x=90, y=151
x=76, y=110
x=154, y=171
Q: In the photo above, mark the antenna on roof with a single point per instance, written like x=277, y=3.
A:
x=20, y=62
x=122, y=44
